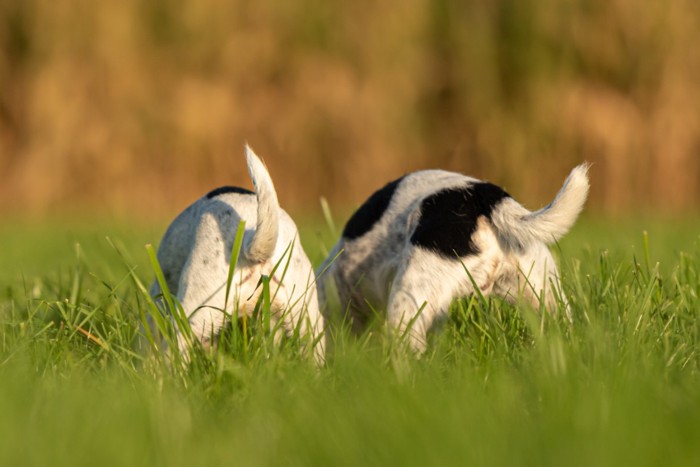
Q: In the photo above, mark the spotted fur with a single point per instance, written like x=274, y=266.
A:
x=195, y=254
x=228, y=189
x=434, y=236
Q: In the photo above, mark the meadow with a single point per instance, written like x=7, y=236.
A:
x=500, y=385
x=130, y=109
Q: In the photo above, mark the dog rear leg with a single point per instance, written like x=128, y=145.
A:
x=300, y=317
x=417, y=298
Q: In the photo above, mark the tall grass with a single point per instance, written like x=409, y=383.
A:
x=500, y=385
x=114, y=103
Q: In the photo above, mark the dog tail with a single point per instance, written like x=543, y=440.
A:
x=261, y=245
x=520, y=227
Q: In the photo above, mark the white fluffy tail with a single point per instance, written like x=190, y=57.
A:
x=520, y=227
x=262, y=244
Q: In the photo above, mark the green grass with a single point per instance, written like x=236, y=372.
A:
x=500, y=385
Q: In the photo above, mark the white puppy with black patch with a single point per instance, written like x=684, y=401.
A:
x=195, y=255
x=408, y=248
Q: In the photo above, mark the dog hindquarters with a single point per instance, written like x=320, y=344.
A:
x=303, y=316
x=539, y=280
x=421, y=291
x=202, y=286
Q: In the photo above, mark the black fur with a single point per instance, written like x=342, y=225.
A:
x=228, y=189
x=448, y=218
x=370, y=212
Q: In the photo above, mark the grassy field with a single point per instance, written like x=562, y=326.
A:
x=499, y=385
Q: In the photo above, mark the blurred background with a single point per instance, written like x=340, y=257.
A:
x=138, y=107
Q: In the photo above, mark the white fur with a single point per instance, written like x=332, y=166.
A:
x=195, y=257
x=383, y=270
x=550, y=223
x=260, y=246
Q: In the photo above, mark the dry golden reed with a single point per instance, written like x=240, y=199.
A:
x=138, y=106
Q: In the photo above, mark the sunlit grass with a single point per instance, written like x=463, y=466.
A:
x=499, y=385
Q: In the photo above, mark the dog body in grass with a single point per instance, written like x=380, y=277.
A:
x=195, y=256
x=433, y=236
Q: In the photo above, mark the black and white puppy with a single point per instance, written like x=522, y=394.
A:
x=408, y=248
x=195, y=254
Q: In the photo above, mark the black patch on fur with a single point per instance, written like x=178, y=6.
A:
x=228, y=189
x=370, y=212
x=448, y=218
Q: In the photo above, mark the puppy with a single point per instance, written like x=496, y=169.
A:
x=195, y=254
x=432, y=236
